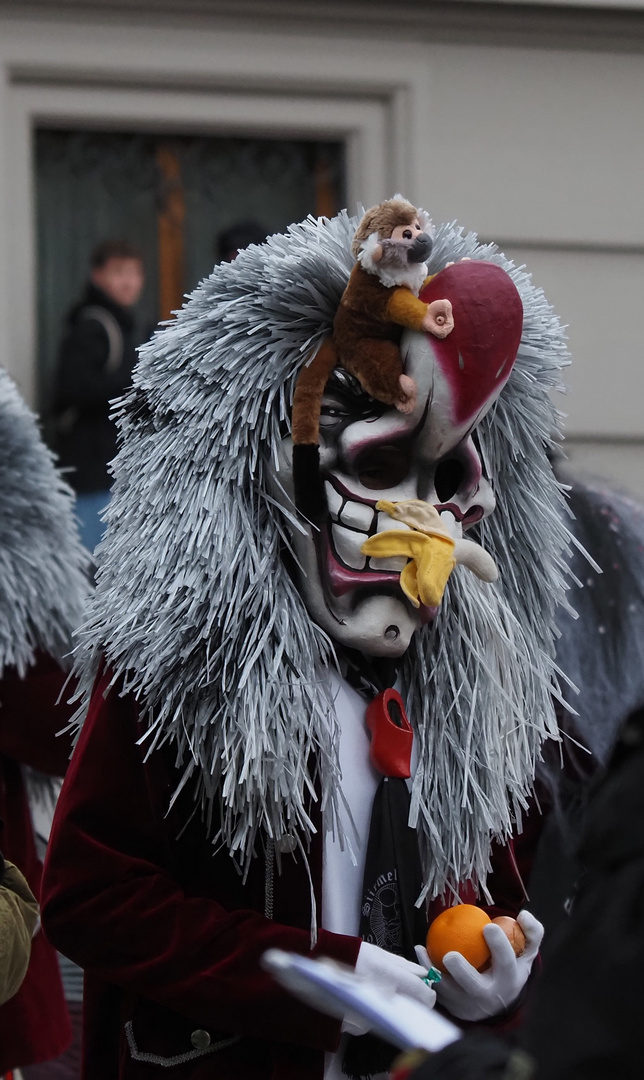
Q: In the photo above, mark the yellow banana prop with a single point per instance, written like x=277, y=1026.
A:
x=432, y=551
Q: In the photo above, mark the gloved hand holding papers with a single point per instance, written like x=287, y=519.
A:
x=337, y=990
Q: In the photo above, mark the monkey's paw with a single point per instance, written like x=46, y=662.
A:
x=408, y=394
x=439, y=319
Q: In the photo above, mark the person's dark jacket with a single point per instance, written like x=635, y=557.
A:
x=95, y=362
x=169, y=933
x=584, y=1020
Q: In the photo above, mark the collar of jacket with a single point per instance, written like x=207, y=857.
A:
x=95, y=296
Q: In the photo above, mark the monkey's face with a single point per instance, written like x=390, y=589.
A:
x=398, y=259
x=402, y=254
x=408, y=244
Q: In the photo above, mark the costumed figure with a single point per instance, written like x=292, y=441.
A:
x=601, y=652
x=224, y=796
x=43, y=587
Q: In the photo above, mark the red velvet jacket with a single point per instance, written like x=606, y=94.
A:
x=169, y=933
x=34, y=1025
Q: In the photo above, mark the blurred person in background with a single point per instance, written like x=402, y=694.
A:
x=95, y=362
x=43, y=587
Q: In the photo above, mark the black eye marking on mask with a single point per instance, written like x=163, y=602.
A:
x=345, y=401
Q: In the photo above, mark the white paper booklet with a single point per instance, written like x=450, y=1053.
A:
x=337, y=990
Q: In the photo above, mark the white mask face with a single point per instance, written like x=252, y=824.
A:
x=370, y=452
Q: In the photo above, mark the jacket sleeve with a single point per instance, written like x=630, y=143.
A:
x=512, y=862
x=32, y=717
x=110, y=903
x=405, y=309
x=83, y=379
x=18, y=920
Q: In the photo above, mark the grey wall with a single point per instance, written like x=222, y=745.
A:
x=525, y=122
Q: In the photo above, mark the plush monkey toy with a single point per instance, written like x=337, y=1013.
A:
x=381, y=298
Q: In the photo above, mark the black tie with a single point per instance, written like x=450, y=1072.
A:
x=392, y=877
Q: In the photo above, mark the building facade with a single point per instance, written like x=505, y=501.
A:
x=523, y=121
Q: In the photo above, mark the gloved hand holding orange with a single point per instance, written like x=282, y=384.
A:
x=460, y=929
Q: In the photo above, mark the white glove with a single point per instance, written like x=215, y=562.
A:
x=393, y=975
x=469, y=994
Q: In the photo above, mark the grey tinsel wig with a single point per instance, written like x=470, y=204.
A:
x=197, y=615
x=43, y=565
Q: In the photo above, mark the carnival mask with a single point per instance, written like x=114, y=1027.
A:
x=370, y=453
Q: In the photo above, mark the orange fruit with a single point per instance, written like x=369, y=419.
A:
x=459, y=929
x=512, y=931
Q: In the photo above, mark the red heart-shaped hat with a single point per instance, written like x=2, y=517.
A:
x=477, y=357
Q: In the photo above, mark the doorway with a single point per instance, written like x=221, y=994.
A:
x=170, y=196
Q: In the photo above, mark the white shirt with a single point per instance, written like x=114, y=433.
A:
x=342, y=877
